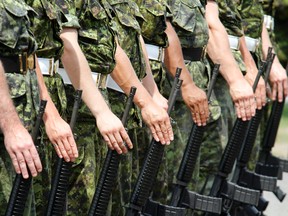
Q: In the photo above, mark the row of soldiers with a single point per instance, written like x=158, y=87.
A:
x=104, y=47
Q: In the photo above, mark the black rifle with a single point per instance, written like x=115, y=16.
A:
x=109, y=171
x=21, y=186
x=221, y=187
x=242, y=176
x=267, y=163
x=153, y=159
x=57, y=196
x=181, y=196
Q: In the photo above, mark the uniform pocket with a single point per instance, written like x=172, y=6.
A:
x=185, y=15
x=13, y=17
x=127, y=13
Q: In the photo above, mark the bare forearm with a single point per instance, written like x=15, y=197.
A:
x=218, y=46
x=79, y=72
x=148, y=81
x=174, y=57
x=247, y=57
x=124, y=75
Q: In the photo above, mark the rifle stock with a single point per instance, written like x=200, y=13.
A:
x=152, y=162
x=21, y=186
x=57, y=196
x=109, y=171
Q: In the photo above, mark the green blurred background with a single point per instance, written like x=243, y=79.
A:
x=281, y=30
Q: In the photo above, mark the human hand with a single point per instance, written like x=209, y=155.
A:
x=197, y=102
x=243, y=98
x=61, y=137
x=160, y=100
x=260, y=93
x=158, y=121
x=113, y=132
x=278, y=80
x=22, y=151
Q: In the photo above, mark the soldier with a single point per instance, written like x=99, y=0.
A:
x=193, y=36
x=103, y=53
x=16, y=41
x=158, y=33
x=22, y=80
x=232, y=22
x=258, y=41
x=231, y=79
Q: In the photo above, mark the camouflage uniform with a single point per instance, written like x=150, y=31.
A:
x=96, y=42
x=46, y=26
x=231, y=20
x=252, y=20
x=127, y=31
x=16, y=39
x=152, y=30
x=192, y=30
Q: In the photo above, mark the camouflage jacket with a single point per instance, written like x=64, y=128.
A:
x=189, y=22
x=154, y=24
x=15, y=31
x=126, y=26
x=230, y=17
x=252, y=17
x=95, y=37
x=47, y=26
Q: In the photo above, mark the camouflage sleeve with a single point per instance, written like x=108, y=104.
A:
x=68, y=8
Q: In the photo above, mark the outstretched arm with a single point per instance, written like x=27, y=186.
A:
x=79, y=73
x=219, y=51
x=194, y=97
x=154, y=115
x=57, y=130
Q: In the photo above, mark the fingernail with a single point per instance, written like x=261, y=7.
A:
x=168, y=143
x=172, y=138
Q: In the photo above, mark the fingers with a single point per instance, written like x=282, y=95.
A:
x=280, y=91
x=62, y=149
x=29, y=163
x=66, y=148
x=58, y=152
x=274, y=91
x=126, y=139
x=24, y=160
x=245, y=108
x=22, y=165
x=36, y=159
x=200, y=113
x=285, y=87
x=118, y=141
x=15, y=162
x=73, y=145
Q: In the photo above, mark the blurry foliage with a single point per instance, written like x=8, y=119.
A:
x=281, y=30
